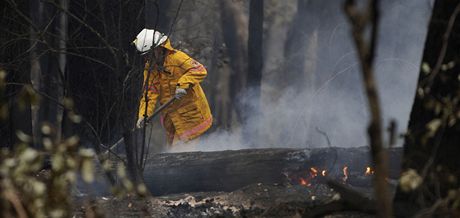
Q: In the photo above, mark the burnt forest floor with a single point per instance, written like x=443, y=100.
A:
x=257, y=200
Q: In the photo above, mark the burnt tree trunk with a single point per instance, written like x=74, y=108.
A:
x=216, y=92
x=431, y=145
x=255, y=40
x=301, y=46
x=251, y=106
x=106, y=82
x=234, y=29
x=48, y=64
x=106, y=74
x=229, y=170
x=49, y=73
x=15, y=102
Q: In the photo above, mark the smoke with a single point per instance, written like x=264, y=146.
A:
x=333, y=107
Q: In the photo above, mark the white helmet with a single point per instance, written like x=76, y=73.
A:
x=145, y=40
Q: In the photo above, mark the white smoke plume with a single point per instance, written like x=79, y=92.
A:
x=337, y=106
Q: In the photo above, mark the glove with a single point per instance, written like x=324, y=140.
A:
x=140, y=123
x=180, y=93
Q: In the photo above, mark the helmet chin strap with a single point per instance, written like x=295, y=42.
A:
x=152, y=49
x=144, y=53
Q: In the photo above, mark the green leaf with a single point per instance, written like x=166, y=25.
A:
x=433, y=126
x=426, y=68
x=87, y=170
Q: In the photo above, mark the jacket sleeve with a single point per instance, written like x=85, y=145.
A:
x=194, y=73
x=152, y=89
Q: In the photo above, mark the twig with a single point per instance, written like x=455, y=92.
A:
x=90, y=28
x=325, y=136
x=330, y=146
x=366, y=50
x=14, y=200
x=392, y=132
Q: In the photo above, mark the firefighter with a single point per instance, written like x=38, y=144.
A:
x=172, y=75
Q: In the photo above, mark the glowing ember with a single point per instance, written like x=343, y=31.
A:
x=323, y=173
x=345, y=173
x=313, y=172
x=304, y=182
x=369, y=171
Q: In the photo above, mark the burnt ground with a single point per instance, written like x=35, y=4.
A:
x=249, y=183
x=257, y=200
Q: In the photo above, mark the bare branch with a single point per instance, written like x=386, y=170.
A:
x=366, y=51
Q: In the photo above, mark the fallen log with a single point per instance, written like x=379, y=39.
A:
x=169, y=173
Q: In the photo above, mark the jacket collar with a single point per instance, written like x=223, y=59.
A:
x=167, y=45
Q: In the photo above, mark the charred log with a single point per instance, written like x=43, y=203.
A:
x=229, y=170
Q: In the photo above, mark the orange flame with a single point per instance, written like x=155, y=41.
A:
x=345, y=173
x=313, y=172
x=303, y=181
x=369, y=171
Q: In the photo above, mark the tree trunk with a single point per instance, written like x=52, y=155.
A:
x=300, y=48
x=255, y=40
x=431, y=145
x=251, y=104
x=229, y=170
x=16, y=95
x=49, y=74
x=234, y=29
x=132, y=158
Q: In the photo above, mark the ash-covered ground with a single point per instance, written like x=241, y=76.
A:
x=328, y=182
x=257, y=200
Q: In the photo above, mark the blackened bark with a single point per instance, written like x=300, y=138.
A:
x=234, y=28
x=299, y=45
x=46, y=18
x=106, y=75
x=431, y=145
x=216, y=97
x=229, y=170
x=255, y=63
x=255, y=40
x=132, y=158
x=14, y=61
x=20, y=105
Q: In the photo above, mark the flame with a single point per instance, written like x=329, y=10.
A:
x=369, y=171
x=313, y=172
x=303, y=181
x=307, y=180
x=345, y=173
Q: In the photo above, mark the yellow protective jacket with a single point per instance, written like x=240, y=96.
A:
x=188, y=117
